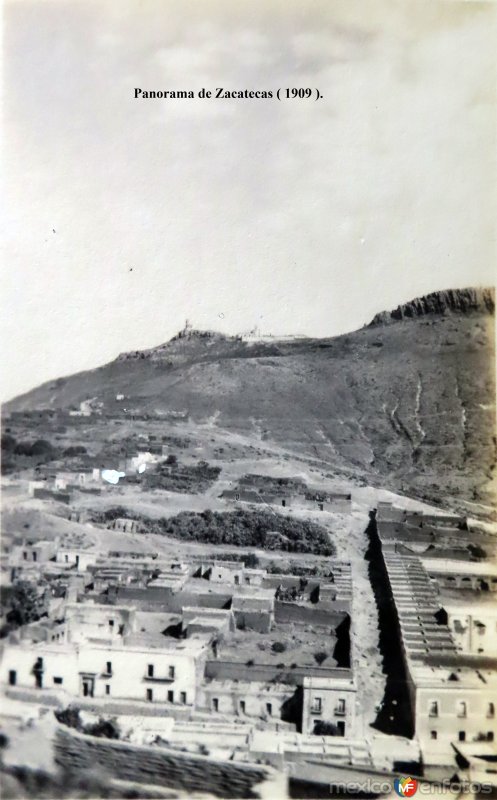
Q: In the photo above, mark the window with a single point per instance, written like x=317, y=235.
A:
x=316, y=705
x=269, y=709
x=107, y=688
x=242, y=706
x=182, y=697
x=66, y=559
x=215, y=704
x=171, y=672
x=109, y=668
x=35, y=556
x=433, y=708
x=340, y=708
x=170, y=697
x=150, y=670
x=58, y=680
x=461, y=708
x=490, y=736
x=433, y=734
x=462, y=736
x=150, y=695
x=491, y=710
x=111, y=623
x=25, y=556
x=12, y=677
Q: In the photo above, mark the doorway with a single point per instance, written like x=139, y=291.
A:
x=88, y=687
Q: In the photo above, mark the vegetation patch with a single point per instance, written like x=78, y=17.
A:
x=175, y=477
x=239, y=528
x=18, y=455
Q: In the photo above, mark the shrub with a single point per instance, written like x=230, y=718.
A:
x=106, y=728
x=8, y=443
x=278, y=647
x=323, y=728
x=41, y=448
x=320, y=656
x=75, y=450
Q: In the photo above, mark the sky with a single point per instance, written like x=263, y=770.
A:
x=123, y=216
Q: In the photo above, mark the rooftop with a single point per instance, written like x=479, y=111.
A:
x=449, y=566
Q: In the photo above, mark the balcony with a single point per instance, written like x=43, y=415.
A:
x=158, y=679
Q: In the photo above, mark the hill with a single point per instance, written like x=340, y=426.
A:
x=407, y=401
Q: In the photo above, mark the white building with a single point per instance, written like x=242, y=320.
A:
x=99, y=654
x=473, y=627
x=454, y=705
x=331, y=701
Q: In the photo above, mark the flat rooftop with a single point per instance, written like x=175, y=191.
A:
x=444, y=566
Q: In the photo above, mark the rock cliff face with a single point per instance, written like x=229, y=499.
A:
x=457, y=300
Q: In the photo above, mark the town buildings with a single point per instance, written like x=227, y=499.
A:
x=448, y=655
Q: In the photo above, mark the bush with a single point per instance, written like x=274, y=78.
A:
x=323, y=728
x=320, y=656
x=106, y=728
x=8, y=443
x=278, y=647
x=41, y=448
x=75, y=450
x=70, y=717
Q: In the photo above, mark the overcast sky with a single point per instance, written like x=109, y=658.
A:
x=127, y=216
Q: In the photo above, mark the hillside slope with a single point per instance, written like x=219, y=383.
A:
x=408, y=401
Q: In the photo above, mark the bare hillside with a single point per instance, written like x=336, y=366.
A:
x=408, y=401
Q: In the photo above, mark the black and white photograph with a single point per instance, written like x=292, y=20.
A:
x=248, y=427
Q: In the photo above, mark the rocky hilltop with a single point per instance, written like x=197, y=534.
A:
x=409, y=404
x=452, y=301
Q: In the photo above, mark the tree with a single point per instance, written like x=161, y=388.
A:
x=41, y=448
x=8, y=443
x=26, y=605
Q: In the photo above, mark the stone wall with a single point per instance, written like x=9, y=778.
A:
x=234, y=670
x=158, y=597
x=157, y=765
x=310, y=615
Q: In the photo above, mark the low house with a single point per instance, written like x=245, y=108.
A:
x=254, y=612
x=33, y=551
x=123, y=524
x=205, y=621
x=79, y=558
